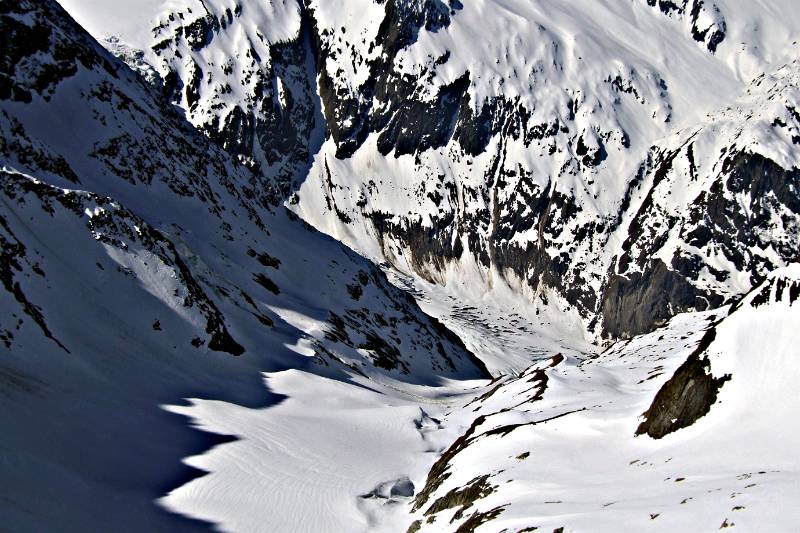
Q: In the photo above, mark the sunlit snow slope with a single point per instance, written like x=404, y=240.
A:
x=555, y=447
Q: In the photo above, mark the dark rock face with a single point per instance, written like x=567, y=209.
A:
x=547, y=212
x=431, y=248
x=691, y=10
x=462, y=497
x=417, y=126
x=687, y=396
x=645, y=292
x=647, y=300
x=479, y=518
x=271, y=128
x=407, y=124
x=771, y=190
x=389, y=103
x=777, y=291
x=20, y=41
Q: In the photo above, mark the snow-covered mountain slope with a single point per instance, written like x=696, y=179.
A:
x=140, y=267
x=557, y=446
x=514, y=135
x=537, y=174
x=244, y=73
x=522, y=141
x=714, y=209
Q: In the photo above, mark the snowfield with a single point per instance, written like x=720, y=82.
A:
x=556, y=444
x=333, y=456
x=549, y=446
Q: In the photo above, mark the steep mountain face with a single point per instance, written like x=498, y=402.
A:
x=708, y=228
x=145, y=167
x=517, y=143
x=245, y=75
x=139, y=267
x=242, y=72
x=532, y=146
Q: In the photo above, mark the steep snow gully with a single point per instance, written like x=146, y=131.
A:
x=399, y=265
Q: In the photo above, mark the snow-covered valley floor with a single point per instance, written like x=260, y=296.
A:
x=333, y=456
x=545, y=447
x=337, y=456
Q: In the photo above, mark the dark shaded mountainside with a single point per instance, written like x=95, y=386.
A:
x=413, y=136
x=142, y=265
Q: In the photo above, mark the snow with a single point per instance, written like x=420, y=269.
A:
x=120, y=282
x=130, y=21
x=329, y=443
x=587, y=472
x=303, y=432
x=306, y=463
x=550, y=57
